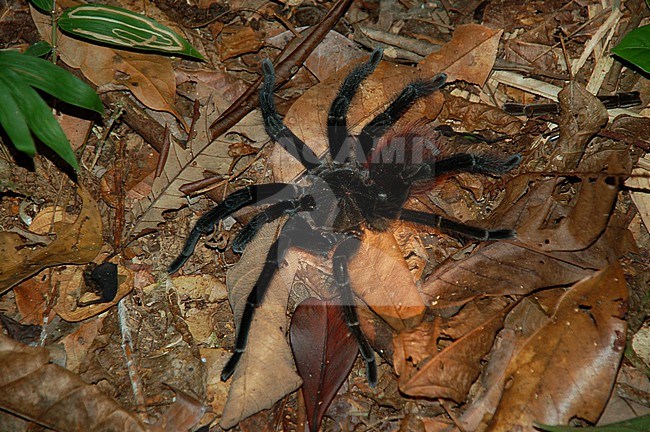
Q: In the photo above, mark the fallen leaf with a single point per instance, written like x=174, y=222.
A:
x=76, y=243
x=380, y=276
x=189, y=164
x=71, y=283
x=182, y=415
x=52, y=396
x=568, y=367
x=582, y=115
x=78, y=342
x=529, y=262
x=149, y=77
x=450, y=373
x=253, y=388
x=469, y=56
x=478, y=116
x=324, y=350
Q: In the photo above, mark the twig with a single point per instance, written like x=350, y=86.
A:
x=128, y=350
x=164, y=153
x=284, y=70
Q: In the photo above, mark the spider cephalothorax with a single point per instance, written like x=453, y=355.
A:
x=356, y=185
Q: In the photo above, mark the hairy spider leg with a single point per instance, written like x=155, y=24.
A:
x=467, y=162
x=447, y=225
x=270, y=214
x=254, y=299
x=295, y=233
x=276, y=128
x=233, y=202
x=384, y=120
x=342, y=254
x=337, y=127
x=462, y=162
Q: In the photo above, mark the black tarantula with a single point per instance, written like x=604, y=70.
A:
x=339, y=195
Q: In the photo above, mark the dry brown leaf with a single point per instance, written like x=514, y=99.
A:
x=568, y=367
x=237, y=40
x=582, y=115
x=149, y=77
x=32, y=299
x=477, y=116
x=336, y=51
x=522, y=266
x=450, y=373
x=182, y=415
x=78, y=342
x=50, y=395
x=414, y=346
x=380, y=277
x=575, y=228
x=76, y=243
x=266, y=371
x=71, y=284
x=469, y=56
x=47, y=216
x=187, y=165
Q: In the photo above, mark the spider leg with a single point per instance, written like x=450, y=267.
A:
x=296, y=232
x=342, y=254
x=233, y=202
x=461, y=162
x=337, y=129
x=276, y=128
x=270, y=214
x=467, y=162
x=383, y=121
x=254, y=299
x=443, y=224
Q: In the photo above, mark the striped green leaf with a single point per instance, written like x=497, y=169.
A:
x=51, y=79
x=38, y=117
x=123, y=28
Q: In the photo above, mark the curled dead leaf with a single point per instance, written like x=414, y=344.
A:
x=76, y=243
x=478, y=116
x=582, y=116
x=71, y=284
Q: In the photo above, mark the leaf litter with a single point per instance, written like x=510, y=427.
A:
x=475, y=337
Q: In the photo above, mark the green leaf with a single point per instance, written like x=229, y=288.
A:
x=635, y=48
x=52, y=79
x=43, y=5
x=12, y=119
x=123, y=28
x=38, y=49
x=638, y=424
x=38, y=117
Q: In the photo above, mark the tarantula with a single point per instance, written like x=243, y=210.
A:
x=349, y=189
